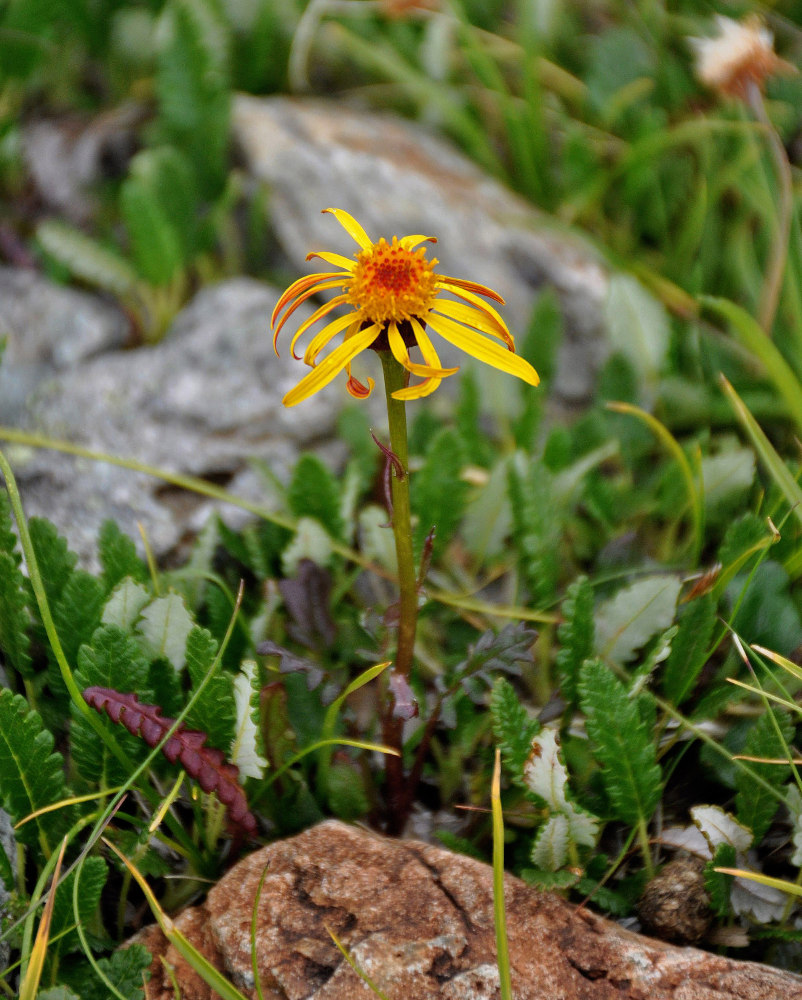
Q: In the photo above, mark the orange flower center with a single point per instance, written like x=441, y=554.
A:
x=391, y=283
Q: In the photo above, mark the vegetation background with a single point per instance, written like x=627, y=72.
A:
x=630, y=605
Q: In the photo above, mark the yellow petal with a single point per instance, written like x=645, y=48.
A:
x=351, y=226
x=470, y=286
x=331, y=366
x=318, y=314
x=333, y=258
x=319, y=341
x=487, y=351
x=430, y=355
x=410, y=242
x=474, y=317
x=303, y=286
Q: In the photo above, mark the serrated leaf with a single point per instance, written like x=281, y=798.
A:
x=719, y=827
x=315, y=493
x=626, y=622
x=56, y=562
x=689, y=649
x=31, y=774
x=311, y=542
x=125, y=604
x=536, y=525
x=112, y=659
x=164, y=626
x=118, y=557
x=8, y=536
x=717, y=884
x=155, y=247
x=438, y=493
x=93, y=879
x=247, y=748
x=576, y=635
x=513, y=728
x=755, y=806
x=14, y=618
x=621, y=743
x=77, y=612
x=127, y=969
x=638, y=327
x=86, y=258
x=214, y=712
x=549, y=880
x=550, y=849
x=495, y=652
x=582, y=826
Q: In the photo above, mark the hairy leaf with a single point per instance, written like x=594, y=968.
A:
x=125, y=604
x=549, y=880
x=165, y=626
x=718, y=885
x=576, y=635
x=621, y=743
x=126, y=969
x=31, y=774
x=315, y=492
x=207, y=765
x=689, y=649
x=755, y=806
x=499, y=652
x=513, y=728
x=56, y=562
x=113, y=659
x=14, y=618
x=93, y=878
x=627, y=621
x=537, y=526
x=550, y=850
x=247, y=751
x=118, y=557
x=439, y=494
x=77, y=612
x=311, y=543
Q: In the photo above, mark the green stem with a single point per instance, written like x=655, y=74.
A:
x=395, y=378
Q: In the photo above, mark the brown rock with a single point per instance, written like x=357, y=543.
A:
x=419, y=921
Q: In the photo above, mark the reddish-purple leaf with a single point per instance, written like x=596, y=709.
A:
x=205, y=764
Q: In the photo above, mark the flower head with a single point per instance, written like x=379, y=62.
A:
x=393, y=293
x=742, y=54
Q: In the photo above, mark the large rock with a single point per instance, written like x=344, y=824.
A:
x=396, y=179
x=205, y=401
x=419, y=921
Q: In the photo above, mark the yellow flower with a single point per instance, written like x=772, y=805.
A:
x=393, y=293
x=742, y=54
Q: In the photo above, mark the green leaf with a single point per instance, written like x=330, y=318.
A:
x=14, y=618
x=626, y=622
x=495, y=652
x=113, y=659
x=743, y=538
x=548, y=880
x=31, y=774
x=438, y=493
x=214, y=712
x=8, y=537
x=717, y=884
x=576, y=636
x=345, y=787
x=127, y=969
x=536, y=526
x=621, y=743
x=93, y=879
x=689, y=649
x=488, y=519
x=193, y=85
x=118, y=557
x=467, y=415
x=638, y=328
x=167, y=175
x=77, y=612
x=315, y=492
x=770, y=738
x=56, y=562
x=550, y=849
x=513, y=728
x=155, y=247
x=86, y=258
x=164, y=627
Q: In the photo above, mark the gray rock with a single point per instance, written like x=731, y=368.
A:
x=205, y=401
x=8, y=844
x=396, y=179
x=48, y=328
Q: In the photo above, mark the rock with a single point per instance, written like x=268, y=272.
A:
x=419, y=921
x=8, y=844
x=205, y=401
x=48, y=328
x=396, y=179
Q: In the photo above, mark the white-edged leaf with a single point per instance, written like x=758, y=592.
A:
x=544, y=772
x=164, y=627
x=245, y=750
x=376, y=541
x=638, y=327
x=763, y=903
x=125, y=603
x=583, y=827
x=311, y=541
x=550, y=850
x=719, y=827
x=793, y=800
x=627, y=621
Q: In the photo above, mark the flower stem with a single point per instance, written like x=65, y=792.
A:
x=394, y=379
